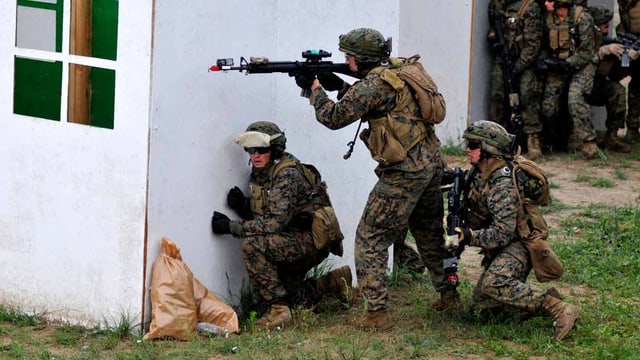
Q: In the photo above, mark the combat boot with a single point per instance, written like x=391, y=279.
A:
x=278, y=314
x=336, y=282
x=533, y=147
x=589, y=149
x=376, y=320
x=613, y=143
x=632, y=135
x=564, y=316
x=449, y=302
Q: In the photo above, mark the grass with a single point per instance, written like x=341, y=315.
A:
x=598, y=245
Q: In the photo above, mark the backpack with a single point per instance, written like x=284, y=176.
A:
x=325, y=227
x=431, y=102
x=536, y=186
x=531, y=227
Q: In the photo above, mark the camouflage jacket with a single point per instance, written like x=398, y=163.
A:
x=584, y=51
x=523, y=34
x=493, y=208
x=288, y=188
x=368, y=99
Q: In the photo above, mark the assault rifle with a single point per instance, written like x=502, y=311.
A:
x=511, y=86
x=455, y=218
x=313, y=64
x=629, y=42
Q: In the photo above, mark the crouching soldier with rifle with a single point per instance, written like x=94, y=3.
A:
x=504, y=222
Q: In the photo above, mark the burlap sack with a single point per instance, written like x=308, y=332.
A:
x=173, y=305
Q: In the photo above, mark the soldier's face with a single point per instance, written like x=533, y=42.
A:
x=260, y=160
x=548, y=5
x=473, y=155
x=604, y=28
x=351, y=61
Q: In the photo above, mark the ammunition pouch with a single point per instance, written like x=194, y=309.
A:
x=326, y=230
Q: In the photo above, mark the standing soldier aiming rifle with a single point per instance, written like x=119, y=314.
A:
x=401, y=137
x=516, y=31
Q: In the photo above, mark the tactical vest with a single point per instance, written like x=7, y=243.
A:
x=630, y=16
x=317, y=195
x=513, y=25
x=564, y=37
x=532, y=189
x=390, y=137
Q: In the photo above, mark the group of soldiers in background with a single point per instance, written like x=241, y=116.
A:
x=553, y=60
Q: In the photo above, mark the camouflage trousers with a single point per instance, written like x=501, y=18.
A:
x=400, y=201
x=502, y=286
x=633, y=116
x=277, y=264
x=612, y=95
x=578, y=86
x=530, y=95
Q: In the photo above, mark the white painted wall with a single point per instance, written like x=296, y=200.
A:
x=72, y=219
x=195, y=114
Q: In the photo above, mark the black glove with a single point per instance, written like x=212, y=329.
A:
x=302, y=221
x=304, y=80
x=239, y=203
x=557, y=65
x=331, y=81
x=220, y=223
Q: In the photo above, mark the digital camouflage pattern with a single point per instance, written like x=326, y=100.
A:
x=577, y=82
x=277, y=256
x=407, y=194
x=524, y=41
x=626, y=9
x=493, y=203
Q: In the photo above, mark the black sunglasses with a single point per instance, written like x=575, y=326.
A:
x=473, y=145
x=259, y=150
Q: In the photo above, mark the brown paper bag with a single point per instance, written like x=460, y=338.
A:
x=213, y=310
x=173, y=306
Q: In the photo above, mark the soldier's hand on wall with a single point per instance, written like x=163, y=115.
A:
x=239, y=203
x=220, y=223
x=611, y=49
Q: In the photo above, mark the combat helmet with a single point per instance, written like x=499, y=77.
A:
x=563, y=3
x=367, y=45
x=493, y=138
x=600, y=13
x=278, y=140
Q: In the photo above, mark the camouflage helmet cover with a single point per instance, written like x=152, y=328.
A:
x=494, y=139
x=601, y=15
x=558, y=3
x=367, y=45
x=267, y=127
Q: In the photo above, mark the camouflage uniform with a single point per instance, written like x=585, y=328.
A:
x=577, y=80
x=493, y=203
x=407, y=194
x=607, y=90
x=278, y=256
x=523, y=36
x=629, y=11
